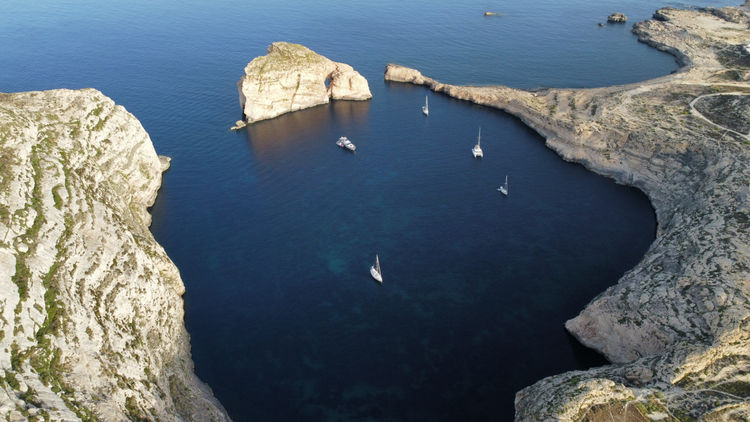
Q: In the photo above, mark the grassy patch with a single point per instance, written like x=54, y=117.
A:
x=12, y=381
x=730, y=111
x=21, y=278
x=16, y=359
x=134, y=412
x=56, y=197
x=100, y=124
x=737, y=388
x=734, y=57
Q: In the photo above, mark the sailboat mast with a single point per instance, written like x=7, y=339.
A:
x=479, y=138
x=377, y=263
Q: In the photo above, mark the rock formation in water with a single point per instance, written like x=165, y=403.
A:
x=91, y=308
x=677, y=325
x=617, y=18
x=292, y=77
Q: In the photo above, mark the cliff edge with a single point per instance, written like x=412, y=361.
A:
x=292, y=77
x=90, y=304
x=677, y=325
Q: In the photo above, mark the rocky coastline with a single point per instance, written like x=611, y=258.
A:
x=292, y=77
x=677, y=326
x=91, y=305
x=91, y=308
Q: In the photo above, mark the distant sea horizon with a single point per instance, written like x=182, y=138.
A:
x=274, y=228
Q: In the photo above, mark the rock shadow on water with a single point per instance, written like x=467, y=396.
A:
x=349, y=113
x=273, y=137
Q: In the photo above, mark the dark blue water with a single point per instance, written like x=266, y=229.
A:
x=274, y=228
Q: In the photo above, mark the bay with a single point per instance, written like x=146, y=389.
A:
x=274, y=228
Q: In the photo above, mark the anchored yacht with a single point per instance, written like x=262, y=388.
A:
x=477, y=150
x=375, y=271
x=344, y=142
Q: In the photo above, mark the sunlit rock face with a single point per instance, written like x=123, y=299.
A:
x=292, y=77
x=91, y=311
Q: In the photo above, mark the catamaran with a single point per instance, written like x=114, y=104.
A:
x=504, y=189
x=375, y=271
x=477, y=150
x=344, y=142
x=426, y=107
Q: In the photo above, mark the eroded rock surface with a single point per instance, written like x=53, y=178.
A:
x=617, y=17
x=678, y=324
x=292, y=77
x=90, y=304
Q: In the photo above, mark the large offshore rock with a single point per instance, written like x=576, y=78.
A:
x=292, y=77
x=90, y=304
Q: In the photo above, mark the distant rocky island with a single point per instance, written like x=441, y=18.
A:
x=91, y=305
x=617, y=17
x=677, y=326
x=292, y=77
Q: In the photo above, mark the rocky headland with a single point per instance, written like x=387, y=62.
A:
x=677, y=326
x=292, y=77
x=91, y=313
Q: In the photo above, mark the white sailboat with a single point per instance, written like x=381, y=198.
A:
x=477, y=150
x=504, y=189
x=375, y=270
x=426, y=107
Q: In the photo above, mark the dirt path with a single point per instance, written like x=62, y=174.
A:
x=697, y=113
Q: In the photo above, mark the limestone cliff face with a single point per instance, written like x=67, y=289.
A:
x=91, y=314
x=292, y=77
x=678, y=324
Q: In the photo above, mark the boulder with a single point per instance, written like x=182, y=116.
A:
x=617, y=18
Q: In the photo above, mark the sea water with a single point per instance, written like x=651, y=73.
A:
x=274, y=227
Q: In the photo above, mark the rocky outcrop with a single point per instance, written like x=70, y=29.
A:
x=677, y=326
x=91, y=308
x=292, y=77
x=617, y=17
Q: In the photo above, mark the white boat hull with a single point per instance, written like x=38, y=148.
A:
x=425, y=111
x=477, y=150
x=344, y=142
x=375, y=274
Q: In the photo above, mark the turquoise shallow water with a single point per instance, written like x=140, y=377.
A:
x=274, y=228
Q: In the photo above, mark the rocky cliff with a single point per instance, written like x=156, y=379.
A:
x=677, y=326
x=91, y=314
x=292, y=77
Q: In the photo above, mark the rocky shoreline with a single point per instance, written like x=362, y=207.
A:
x=91, y=308
x=91, y=305
x=677, y=325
